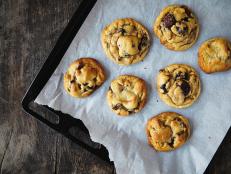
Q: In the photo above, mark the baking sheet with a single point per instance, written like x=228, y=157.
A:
x=125, y=137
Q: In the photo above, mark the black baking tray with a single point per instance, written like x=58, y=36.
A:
x=65, y=124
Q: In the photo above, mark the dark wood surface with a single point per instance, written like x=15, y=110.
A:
x=29, y=30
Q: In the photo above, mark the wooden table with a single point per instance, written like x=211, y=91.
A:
x=29, y=30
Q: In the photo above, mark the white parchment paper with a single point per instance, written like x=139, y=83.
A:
x=125, y=137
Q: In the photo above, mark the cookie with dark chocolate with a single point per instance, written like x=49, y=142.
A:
x=83, y=77
x=127, y=94
x=177, y=27
x=178, y=85
x=167, y=131
x=125, y=41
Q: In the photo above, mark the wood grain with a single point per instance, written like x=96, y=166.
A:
x=29, y=30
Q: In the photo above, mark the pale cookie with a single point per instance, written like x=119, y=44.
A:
x=214, y=55
x=167, y=131
x=178, y=85
x=83, y=77
x=127, y=94
x=125, y=41
x=177, y=27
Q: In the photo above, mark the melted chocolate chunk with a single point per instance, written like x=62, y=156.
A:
x=122, y=31
x=117, y=106
x=181, y=75
x=131, y=112
x=143, y=42
x=171, y=144
x=79, y=86
x=169, y=20
x=94, y=80
x=72, y=81
x=185, y=87
x=163, y=87
x=81, y=65
x=182, y=31
x=185, y=19
x=180, y=133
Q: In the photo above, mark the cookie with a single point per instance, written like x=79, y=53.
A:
x=214, y=55
x=83, y=77
x=177, y=27
x=178, y=85
x=127, y=94
x=167, y=131
x=125, y=41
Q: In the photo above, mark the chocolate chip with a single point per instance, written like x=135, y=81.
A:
x=79, y=86
x=131, y=112
x=181, y=75
x=72, y=81
x=122, y=31
x=186, y=76
x=171, y=144
x=109, y=88
x=169, y=20
x=185, y=87
x=182, y=31
x=185, y=19
x=143, y=42
x=163, y=87
x=117, y=106
x=85, y=84
x=81, y=65
x=180, y=133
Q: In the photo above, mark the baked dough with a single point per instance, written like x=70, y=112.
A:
x=177, y=27
x=127, y=94
x=83, y=77
x=178, y=85
x=214, y=55
x=167, y=131
x=125, y=41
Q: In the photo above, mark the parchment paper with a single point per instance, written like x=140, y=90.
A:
x=125, y=138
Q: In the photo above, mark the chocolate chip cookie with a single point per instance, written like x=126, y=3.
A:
x=83, y=77
x=214, y=55
x=178, y=85
x=127, y=94
x=176, y=27
x=125, y=41
x=167, y=131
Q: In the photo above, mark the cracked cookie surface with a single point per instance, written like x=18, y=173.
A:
x=178, y=85
x=127, y=94
x=125, y=41
x=83, y=77
x=167, y=131
x=214, y=55
x=177, y=27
